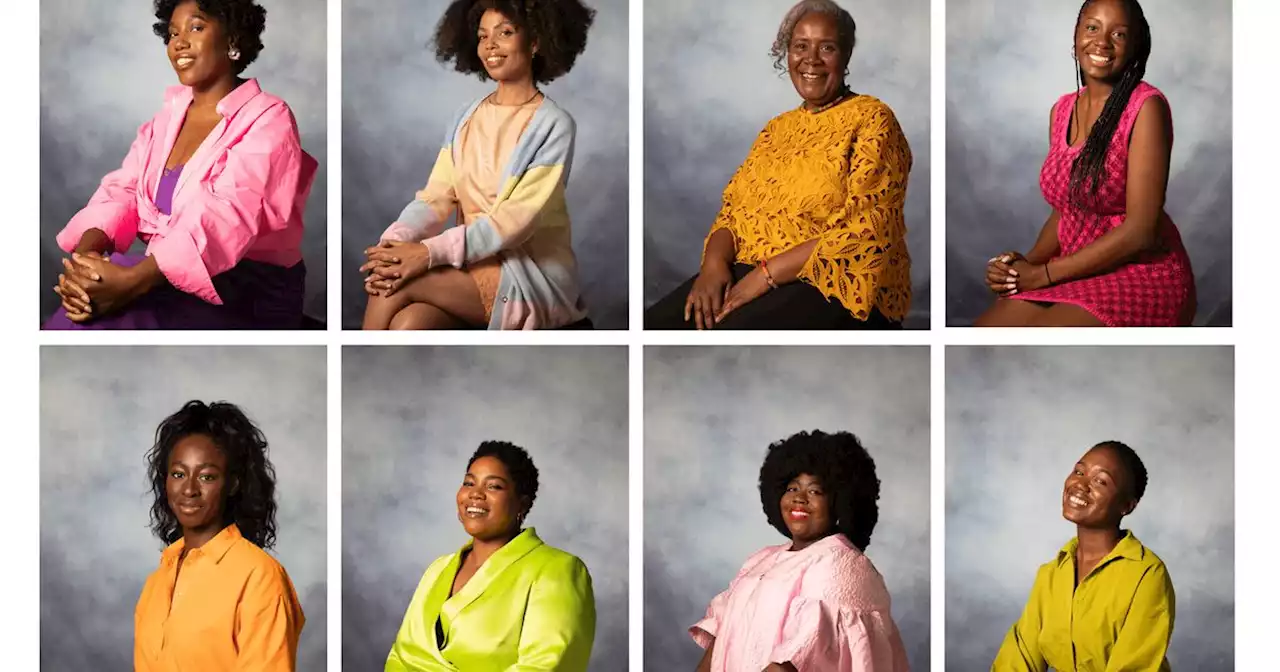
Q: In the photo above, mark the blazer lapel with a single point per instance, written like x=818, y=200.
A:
x=490, y=571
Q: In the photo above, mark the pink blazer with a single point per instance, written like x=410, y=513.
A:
x=240, y=196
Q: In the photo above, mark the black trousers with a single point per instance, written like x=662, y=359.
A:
x=794, y=306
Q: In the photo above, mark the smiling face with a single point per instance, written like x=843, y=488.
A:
x=488, y=504
x=504, y=48
x=806, y=510
x=198, y=47
x=814, y=59
x=197, y=484
x=1098, y=491
x=1103, y=44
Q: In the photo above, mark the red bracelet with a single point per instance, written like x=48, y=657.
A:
x=768, y=277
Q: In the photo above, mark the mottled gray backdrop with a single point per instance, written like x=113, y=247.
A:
x=413, y=416
x=709, y=417
x=397, y=103
x=99, y=408
x=103, y=73
x=1008, y=61
x=1018, y=418
x=709, y=89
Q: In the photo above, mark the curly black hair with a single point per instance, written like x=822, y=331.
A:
x=242, y=20
x=559, y=27
x=1132, y=463
x=846, y=29
x=848, y=476
x=252, y=507
x=518, y=463
x=1089, y=168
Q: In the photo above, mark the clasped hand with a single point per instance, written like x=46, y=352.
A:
x=1009, y=273
x=391, y=264
x=91, y=286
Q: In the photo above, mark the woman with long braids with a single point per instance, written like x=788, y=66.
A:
x=1109, y=255
x=1105, y=601
x=218, y=601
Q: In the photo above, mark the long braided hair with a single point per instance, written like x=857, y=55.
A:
x=1089, y=169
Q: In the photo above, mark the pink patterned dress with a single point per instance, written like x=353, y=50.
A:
x=1156, y=289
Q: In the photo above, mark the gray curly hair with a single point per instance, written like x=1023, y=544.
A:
x=845, y=28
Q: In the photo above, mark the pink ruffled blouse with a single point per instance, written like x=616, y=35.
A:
x=822, y=608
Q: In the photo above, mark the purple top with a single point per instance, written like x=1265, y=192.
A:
x=164, y=190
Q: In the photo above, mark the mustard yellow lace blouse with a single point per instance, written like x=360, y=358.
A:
x=839, y=176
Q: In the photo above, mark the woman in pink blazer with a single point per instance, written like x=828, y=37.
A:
x=215, y=185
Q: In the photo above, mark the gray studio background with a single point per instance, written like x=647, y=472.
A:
x=709, y=417
x=1008, y=62
x=1019, y=418
x=397, y=103
x=99, y=408
x=709, y=89
x=413, y=416
x=91, y=105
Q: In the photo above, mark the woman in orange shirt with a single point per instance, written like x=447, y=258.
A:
x=218, y=601
x=811, y=234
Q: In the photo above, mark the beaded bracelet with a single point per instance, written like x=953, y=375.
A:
x=768, y=277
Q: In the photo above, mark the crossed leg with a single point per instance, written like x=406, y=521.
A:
x=443, y=298
x=1019, y=313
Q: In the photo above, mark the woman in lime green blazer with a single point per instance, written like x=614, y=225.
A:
x=506, y=600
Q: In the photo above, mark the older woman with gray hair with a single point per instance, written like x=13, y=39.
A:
x=811, y=233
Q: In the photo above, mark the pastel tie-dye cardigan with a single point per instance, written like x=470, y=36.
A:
x=527, y=228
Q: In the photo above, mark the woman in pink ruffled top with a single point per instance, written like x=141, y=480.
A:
x=816, y=603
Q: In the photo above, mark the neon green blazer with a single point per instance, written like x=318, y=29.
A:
x=529, y=607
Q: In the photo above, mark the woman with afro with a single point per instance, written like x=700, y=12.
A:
x=1105, y=601
x=815, y=603
x=506, y=600
x=215, y=185
x=1109, y=254
x=500, y=176
x=217, y=601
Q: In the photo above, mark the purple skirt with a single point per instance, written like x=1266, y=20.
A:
x=254, y=296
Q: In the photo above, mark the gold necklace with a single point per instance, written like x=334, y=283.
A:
x=491, y=100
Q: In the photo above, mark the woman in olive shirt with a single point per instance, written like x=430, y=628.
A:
x=1106, y=601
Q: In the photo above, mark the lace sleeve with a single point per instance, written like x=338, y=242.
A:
x=862, y=251
x=732, y=193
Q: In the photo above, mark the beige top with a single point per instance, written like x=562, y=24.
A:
x=486, y=141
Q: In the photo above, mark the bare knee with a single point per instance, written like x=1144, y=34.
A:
x=381, y=310
x=1007, y=313
x=419, y=316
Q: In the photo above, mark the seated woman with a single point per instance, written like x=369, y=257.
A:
x=505, y=600
x=215, y=184
x=217, y=601
x=1105, y=601
x=1109, y=255
x=811, y=234
x=816, y=603
x=509, y=264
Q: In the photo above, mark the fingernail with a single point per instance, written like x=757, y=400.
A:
x=1013, y=292
x=1012, y=278
x=1013, y=273
x=1012, y=285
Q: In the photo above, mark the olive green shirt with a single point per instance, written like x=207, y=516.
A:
x=1120, y=617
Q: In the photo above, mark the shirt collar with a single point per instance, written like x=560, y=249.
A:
x=1128, y=548
x=216, y=548
x=230, y=103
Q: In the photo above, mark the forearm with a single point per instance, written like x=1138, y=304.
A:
x=145, y=277
x=1046, y=245
x=705, y=664
x=786, y=267
x=94, y=240
x=1106, y=253
x=721, y=248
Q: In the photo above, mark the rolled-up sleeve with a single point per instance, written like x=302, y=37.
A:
x=113, y=208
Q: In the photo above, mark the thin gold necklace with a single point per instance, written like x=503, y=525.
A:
x=491, y=100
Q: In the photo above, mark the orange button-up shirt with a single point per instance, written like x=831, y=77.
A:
x=232, y=607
